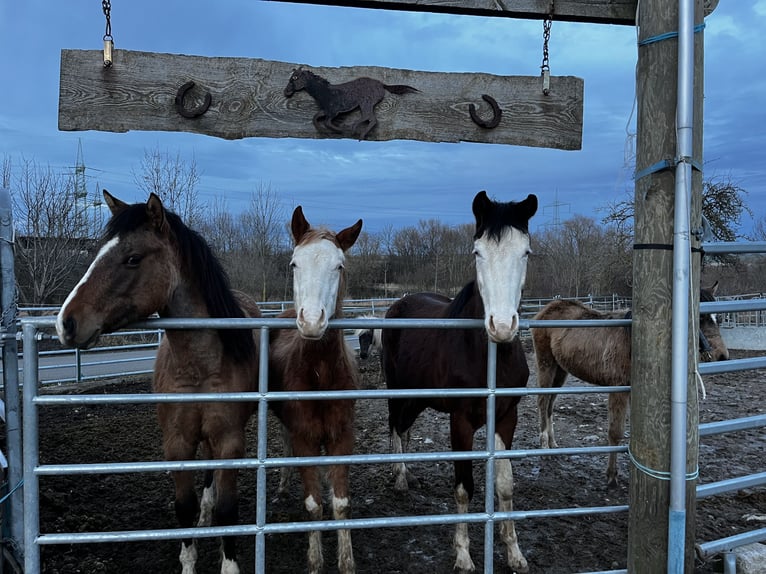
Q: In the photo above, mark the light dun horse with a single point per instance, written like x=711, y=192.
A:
x=369, y=339
x=442, y=358
x=315, y=358
x=600, y=356
x=152, y=263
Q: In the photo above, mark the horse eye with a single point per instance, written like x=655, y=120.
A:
x=133, y=260
x=293, y=265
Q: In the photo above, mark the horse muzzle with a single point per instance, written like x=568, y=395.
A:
x=70, y=336
x=310, y=326
x=502, y=331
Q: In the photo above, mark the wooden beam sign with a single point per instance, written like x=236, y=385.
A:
x=592, y=11
x=235, y=98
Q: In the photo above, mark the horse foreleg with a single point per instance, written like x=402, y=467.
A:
x=548, y=376
x=312, y=498
x=285, y=472
x=461, y=439
x=207, y=502
x=341, y=507
x=618, y=411
x=504, y=490
x=403, y=478
x=186, y=510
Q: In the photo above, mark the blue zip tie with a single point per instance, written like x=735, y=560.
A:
x=667, y=36
x=659, y=474
x=14, y=489
x=663, y=165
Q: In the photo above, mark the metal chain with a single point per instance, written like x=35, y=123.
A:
x=546, y=38
x=545, y=69
x=108, y=40
x=107, y=7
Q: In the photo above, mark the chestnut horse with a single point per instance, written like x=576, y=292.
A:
x=601, y=356
x=315, y=358
x=151, y=262
x=443, y=358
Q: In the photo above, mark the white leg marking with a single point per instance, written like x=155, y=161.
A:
x=504, y=489
x=315, y=558
x=60, y=318
x=188, y=558
x=229, y=567
x=206, y=505
x=463, y=561
x=346, y=564
x=399, y=469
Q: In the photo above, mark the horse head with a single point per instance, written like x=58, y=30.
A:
x=297, y=82
x=128, y=280
x=711, y=344
x=501, y=248
x=318, y=265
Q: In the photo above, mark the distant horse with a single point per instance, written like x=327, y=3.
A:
x=314, y=358
x=449, y=358
x=151, y=262
x=369, y=339
x=600, y=356
x=336, y=99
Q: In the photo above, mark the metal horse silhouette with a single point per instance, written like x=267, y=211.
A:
x=337, y=99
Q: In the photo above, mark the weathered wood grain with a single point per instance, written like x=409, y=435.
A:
x=594, y=11
x=138, y=92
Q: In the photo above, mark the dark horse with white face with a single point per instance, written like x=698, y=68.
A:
x=315, y=358
x=151, y=262
x=450, y=358
x=600, y=356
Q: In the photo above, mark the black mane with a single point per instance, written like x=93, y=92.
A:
x=460, y=300
x=200, y=264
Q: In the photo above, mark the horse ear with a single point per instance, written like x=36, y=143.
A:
x=115, y=205
x=480, y=204
x=299, y=226
x=529, y=206
x=156, y=212
x=714, y=288
x=348, y=236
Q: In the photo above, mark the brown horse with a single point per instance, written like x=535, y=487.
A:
x=151, y=262
x=337, y=99
x=443, y=358
x=315, y=358
x=600, y=356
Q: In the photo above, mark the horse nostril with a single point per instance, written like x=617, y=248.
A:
x=70, y=325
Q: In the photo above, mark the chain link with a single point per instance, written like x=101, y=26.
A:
x=546, y=38
x=107, y=7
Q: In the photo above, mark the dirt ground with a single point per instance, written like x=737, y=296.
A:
x=87, y=434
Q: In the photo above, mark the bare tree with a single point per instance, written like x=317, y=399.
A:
x=54, y=233
x=264, y=240
x=174, y=180
x=722, y=205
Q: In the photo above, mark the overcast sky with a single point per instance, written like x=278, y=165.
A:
x=399, y=182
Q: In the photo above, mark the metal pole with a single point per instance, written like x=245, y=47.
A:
x=681, y=290
x=31, y=452
x=15, y=517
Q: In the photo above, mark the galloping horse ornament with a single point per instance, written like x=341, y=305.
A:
x=450, y=358
x=315, y=358
x=600, y=356
x=151, y=262
x=337, y=99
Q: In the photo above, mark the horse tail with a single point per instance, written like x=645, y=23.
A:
x=400, y=89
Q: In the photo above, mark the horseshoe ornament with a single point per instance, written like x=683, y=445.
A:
x=497, y=113
x=195, y=112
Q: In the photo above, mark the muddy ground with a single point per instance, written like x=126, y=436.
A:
x=130, y=433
